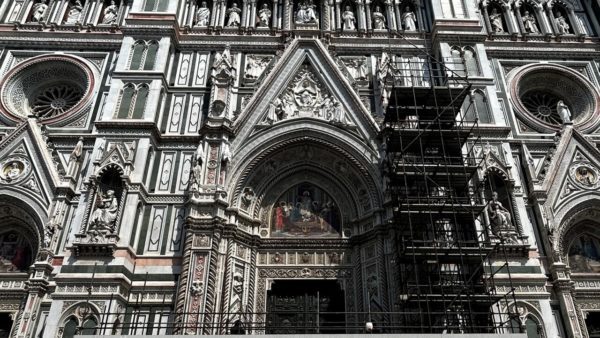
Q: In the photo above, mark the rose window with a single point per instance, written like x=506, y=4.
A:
x=57, y=89
x=536, y=89
x=542, y=105
x=55, y=101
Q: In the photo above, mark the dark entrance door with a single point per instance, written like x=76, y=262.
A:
x=296, y=307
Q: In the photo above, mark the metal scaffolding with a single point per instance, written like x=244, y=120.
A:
x=445, y=277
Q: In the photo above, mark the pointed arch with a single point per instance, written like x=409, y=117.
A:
x=469, y=57
x=127, y=98
x=150, y=54
x=140, y=101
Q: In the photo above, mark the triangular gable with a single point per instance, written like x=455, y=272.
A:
x=329, y=96
x=26, y=166
x=574, y=170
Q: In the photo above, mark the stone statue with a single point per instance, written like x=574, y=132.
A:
x=561, y=24
x=264, y=16
x=74, y=12
x=358, y=69
x=409, y=20
x=255, y=66
x=500, y=217
x=199, y=153
x=272, y=113
x=234, y=16
x=49, y=231
x=563, y=111
x=529, y=23
x=202, y=15
x=75, y=157
x=306, y=13
x=349, y=19
x=105, y=214
x=383, y=72
x=110, y=13
x=39, y=11
x=496, y=21
x=378, y=18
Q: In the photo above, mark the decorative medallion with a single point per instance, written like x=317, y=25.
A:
x=14, y=169
x=585, y=175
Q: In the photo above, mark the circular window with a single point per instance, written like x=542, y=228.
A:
x=537, y=89
x=54, y=88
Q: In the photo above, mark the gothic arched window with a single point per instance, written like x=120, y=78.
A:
x=140, y=102
x=70, y=328
x=133, y=101
x=143, y=55
x=156, y=5
x=477, y=108
x=470, y=59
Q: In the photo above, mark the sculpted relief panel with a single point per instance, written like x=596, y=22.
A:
x=306, y=96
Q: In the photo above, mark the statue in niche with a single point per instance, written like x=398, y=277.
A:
x=561, y=24
x=384, y=71
x=275, y=111
x=583, y=254
x=255, y=66
x=74, y=12
x=202, y=15
x=409, y=20
x=49, y=231
x=264, y=16
x=39, y=11
x=75, y=157
x=357, y=68
x=496, y=21
x=529, y=23
x=306, y=13
x=349, y=19
x=378, y=18
x=197, y=169
x=234, y=16
x=500, y=217
x=105, y=214
x=110, y=13
x=563, y=112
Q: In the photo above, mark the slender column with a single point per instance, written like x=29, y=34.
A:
x=398, y=17
x=274, y=18
x=222, y=13
x=329, y=24
x=338, y=15
x=517, y=11
x=421, y=18
x=368, y=15
x=288, y=6
x=360, y=13
x=214, y=17
x=551, y=18
x=252, y=18
x=189, y=20
x=509, y=18
x=486, y=17
x=245, y=12
x=391, y=18
x=542, y=20
x=574, y=22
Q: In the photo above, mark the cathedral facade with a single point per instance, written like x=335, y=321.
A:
x=309, y=166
